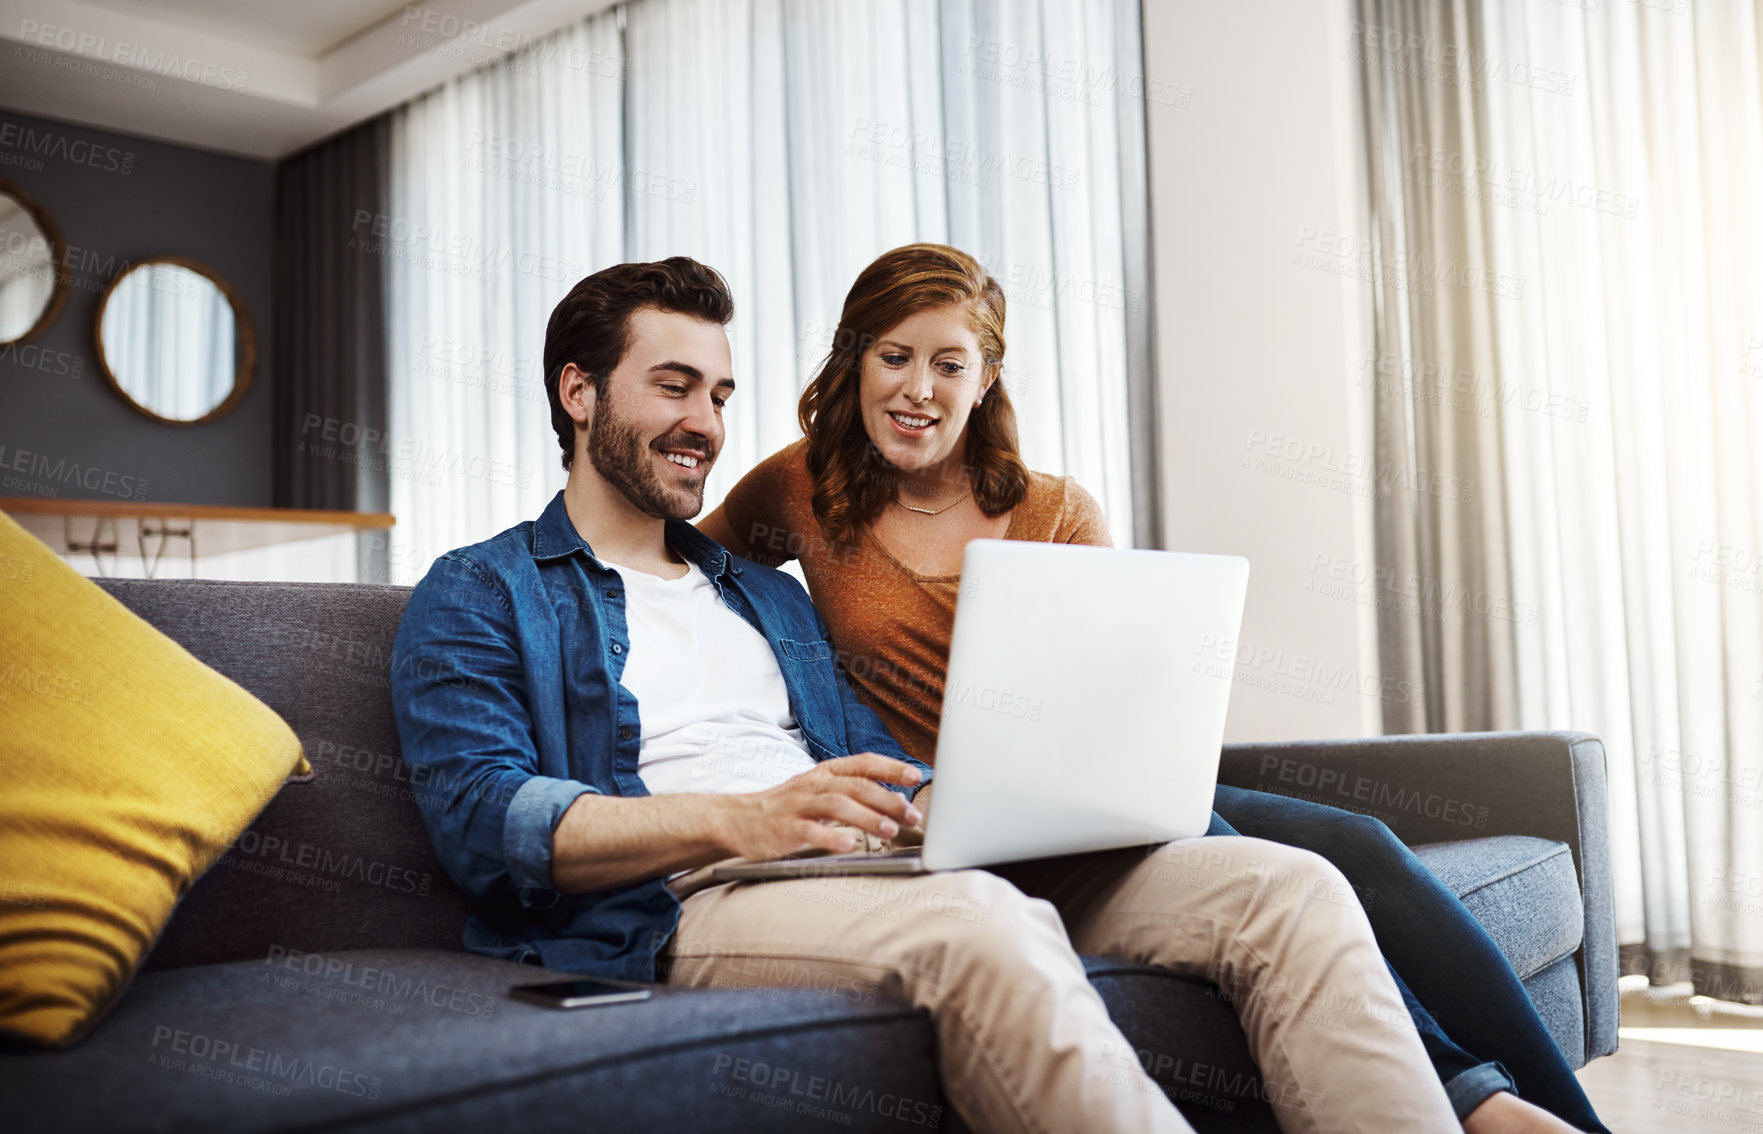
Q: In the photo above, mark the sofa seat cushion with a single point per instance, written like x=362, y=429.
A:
x=1524, y=890
x=1555, y=992
x=414, y=1039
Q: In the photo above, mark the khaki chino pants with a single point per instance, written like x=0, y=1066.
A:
x=1024, y=1042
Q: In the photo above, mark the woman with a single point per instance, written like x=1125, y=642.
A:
x=909, y=452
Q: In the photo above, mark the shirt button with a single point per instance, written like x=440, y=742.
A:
x=611, y=594
x=617, y=649
x=624, y=734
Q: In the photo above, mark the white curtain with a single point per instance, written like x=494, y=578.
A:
x=786, y=144
x=1570, y=323
x=504, y=192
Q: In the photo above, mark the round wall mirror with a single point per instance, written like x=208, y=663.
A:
x=175, y=341
x=31, y=291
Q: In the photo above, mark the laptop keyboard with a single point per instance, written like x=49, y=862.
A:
x=897, y=852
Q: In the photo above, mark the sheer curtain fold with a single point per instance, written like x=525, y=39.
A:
x=786, y=143
x=1570, y=265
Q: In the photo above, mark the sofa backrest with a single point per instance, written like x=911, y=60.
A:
x=341, y=862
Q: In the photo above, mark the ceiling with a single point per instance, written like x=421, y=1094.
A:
x=308, y=27
x=260, y=78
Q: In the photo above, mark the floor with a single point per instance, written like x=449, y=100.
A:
x=1687, y=1065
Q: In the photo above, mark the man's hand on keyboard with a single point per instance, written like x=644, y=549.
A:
x=829, y=807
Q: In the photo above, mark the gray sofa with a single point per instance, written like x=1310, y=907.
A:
x=313, y=979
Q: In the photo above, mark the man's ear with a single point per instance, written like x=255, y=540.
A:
x=575, y=392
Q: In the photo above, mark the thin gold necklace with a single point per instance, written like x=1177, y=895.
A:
x=934, y=511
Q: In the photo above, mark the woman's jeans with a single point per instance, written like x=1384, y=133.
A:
x=1445, y=964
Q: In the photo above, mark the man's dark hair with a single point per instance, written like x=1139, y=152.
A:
x=591, y=325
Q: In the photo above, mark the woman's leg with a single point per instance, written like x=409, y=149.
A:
x=1467, y=1080
x=1442, y=955
x=1280, y=933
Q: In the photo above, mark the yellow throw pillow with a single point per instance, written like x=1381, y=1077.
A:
x=126, y=768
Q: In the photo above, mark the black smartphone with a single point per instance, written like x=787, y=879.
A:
x=583, y=993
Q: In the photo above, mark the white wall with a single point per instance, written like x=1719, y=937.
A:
x=1262, y=332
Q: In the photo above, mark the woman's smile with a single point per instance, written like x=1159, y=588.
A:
x=912, y=425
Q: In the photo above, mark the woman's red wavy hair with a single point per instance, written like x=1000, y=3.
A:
x=851, y=481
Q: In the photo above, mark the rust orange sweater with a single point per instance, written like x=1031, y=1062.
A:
x=890, y=625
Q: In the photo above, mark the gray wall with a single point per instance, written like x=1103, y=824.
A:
x=63, y=430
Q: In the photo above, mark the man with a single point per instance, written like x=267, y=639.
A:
x=616, y=702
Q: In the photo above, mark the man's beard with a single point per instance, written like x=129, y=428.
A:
x=619, y=455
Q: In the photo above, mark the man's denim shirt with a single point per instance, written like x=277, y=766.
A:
x=505, y=683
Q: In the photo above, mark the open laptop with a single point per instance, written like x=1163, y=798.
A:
x=1083, y=710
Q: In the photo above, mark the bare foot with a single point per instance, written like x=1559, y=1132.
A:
x=1506, y=1113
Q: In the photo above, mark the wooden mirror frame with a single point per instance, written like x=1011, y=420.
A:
x=57, y=251
x=244, y=341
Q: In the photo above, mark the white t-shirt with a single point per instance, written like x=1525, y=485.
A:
x=712, y=701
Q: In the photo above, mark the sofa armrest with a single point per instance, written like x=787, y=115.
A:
x=1446, y=786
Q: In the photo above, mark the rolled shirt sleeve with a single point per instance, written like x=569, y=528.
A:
x=529, y=825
